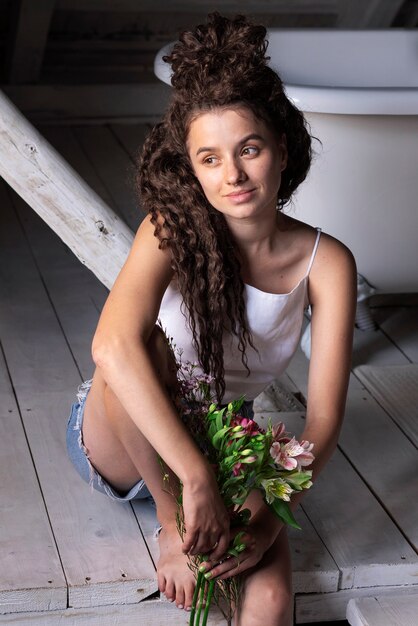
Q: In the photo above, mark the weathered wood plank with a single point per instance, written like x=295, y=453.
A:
x=131, y=137
x=374, y=347
x=115, y=168
x=401, y=327
x=364, y=557
x=225, y=6
x=147, y=613
x=60, y=196
x=99, y=541
x=395, y=389
x=384, y=611
x=326, y=607
x=95, y=104
x=373, y=14
x=28, y=35
x=30, y=571
x=385, y=458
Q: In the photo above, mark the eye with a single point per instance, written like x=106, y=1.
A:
x=250, y=151
x=210, y=160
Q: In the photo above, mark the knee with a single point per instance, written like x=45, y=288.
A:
x=279, y=604
x=276, y=607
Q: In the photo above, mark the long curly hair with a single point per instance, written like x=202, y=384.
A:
x=220, y=64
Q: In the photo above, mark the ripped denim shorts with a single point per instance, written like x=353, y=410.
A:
x=79, y=456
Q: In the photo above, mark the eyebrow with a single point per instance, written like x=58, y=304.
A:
x=243, y=141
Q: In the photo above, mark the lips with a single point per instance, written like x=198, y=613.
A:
x=240, y=195
x=239, y=192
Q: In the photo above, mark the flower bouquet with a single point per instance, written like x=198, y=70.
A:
x=244, y=457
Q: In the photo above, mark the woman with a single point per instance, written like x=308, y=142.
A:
x=228, y=274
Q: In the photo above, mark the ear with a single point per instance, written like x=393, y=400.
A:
x=283, y=151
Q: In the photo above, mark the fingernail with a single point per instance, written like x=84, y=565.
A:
x=202, y=569
x=207, y=575
x=179, y=606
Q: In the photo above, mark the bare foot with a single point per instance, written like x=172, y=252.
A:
x=175, y=579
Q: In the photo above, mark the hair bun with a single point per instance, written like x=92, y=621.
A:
x=213, y=50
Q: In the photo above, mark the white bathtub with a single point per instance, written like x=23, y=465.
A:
x=359, y=90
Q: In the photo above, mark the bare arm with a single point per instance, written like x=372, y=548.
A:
x=332, y=294
x=120, y=351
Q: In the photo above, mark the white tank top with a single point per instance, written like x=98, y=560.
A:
x=275, y=322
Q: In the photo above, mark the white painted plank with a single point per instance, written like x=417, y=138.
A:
x=146, y=515
x=131, y=136
x=146, y=613
x=60, y=196
x=346, y=515
x=30, y=571
x=115, y=168
x=401, y=327
x=373, y=14
x=314, y=570
x=64, y=140
x=384, y=611
x=332, y=606
x=78, y=307
x=225, y=6
x=395, y=388
x=386, y=459
x=97, y=104
x=28, y=39
x=374, y=347
x=98, y=540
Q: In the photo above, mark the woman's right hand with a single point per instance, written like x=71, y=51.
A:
x=206, y=519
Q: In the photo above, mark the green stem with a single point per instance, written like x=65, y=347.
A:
x=201, y=600
x=195, y=597
x=208, y=601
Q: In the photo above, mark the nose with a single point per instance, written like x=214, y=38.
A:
x=234, y=174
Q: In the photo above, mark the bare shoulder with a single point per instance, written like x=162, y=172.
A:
x=148, y=266
x=333, y=257
x=333, y=271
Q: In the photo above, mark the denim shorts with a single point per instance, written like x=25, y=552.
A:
x=79, y=455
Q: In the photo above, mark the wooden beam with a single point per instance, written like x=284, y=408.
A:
x=372, y=14
x=34, y=169
x=98, y=104
x=224, y=6
x=27, y=39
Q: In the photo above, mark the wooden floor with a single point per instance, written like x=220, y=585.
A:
x=67, y=552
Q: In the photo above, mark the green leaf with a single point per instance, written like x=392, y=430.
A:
x=219, y=419
x=282, y=510
x=218, y=437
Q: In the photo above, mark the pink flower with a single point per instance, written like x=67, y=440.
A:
x=292, y=454
x=236, y=470
x=279, y=432
x=249, y=426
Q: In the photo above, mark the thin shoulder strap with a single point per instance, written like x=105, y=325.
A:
x=318, y=236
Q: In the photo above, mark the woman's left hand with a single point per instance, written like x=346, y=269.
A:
x=256, y=544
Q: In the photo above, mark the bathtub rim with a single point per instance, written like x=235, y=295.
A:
x=331, y=100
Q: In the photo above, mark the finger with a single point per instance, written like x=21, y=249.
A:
x=223, y=543
x=189, y=541
x=203, y=544
x=227, y=568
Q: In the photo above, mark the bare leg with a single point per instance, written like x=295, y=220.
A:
x=122, y=455
x=267, y=593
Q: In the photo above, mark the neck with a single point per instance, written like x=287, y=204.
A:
x=254, y=236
